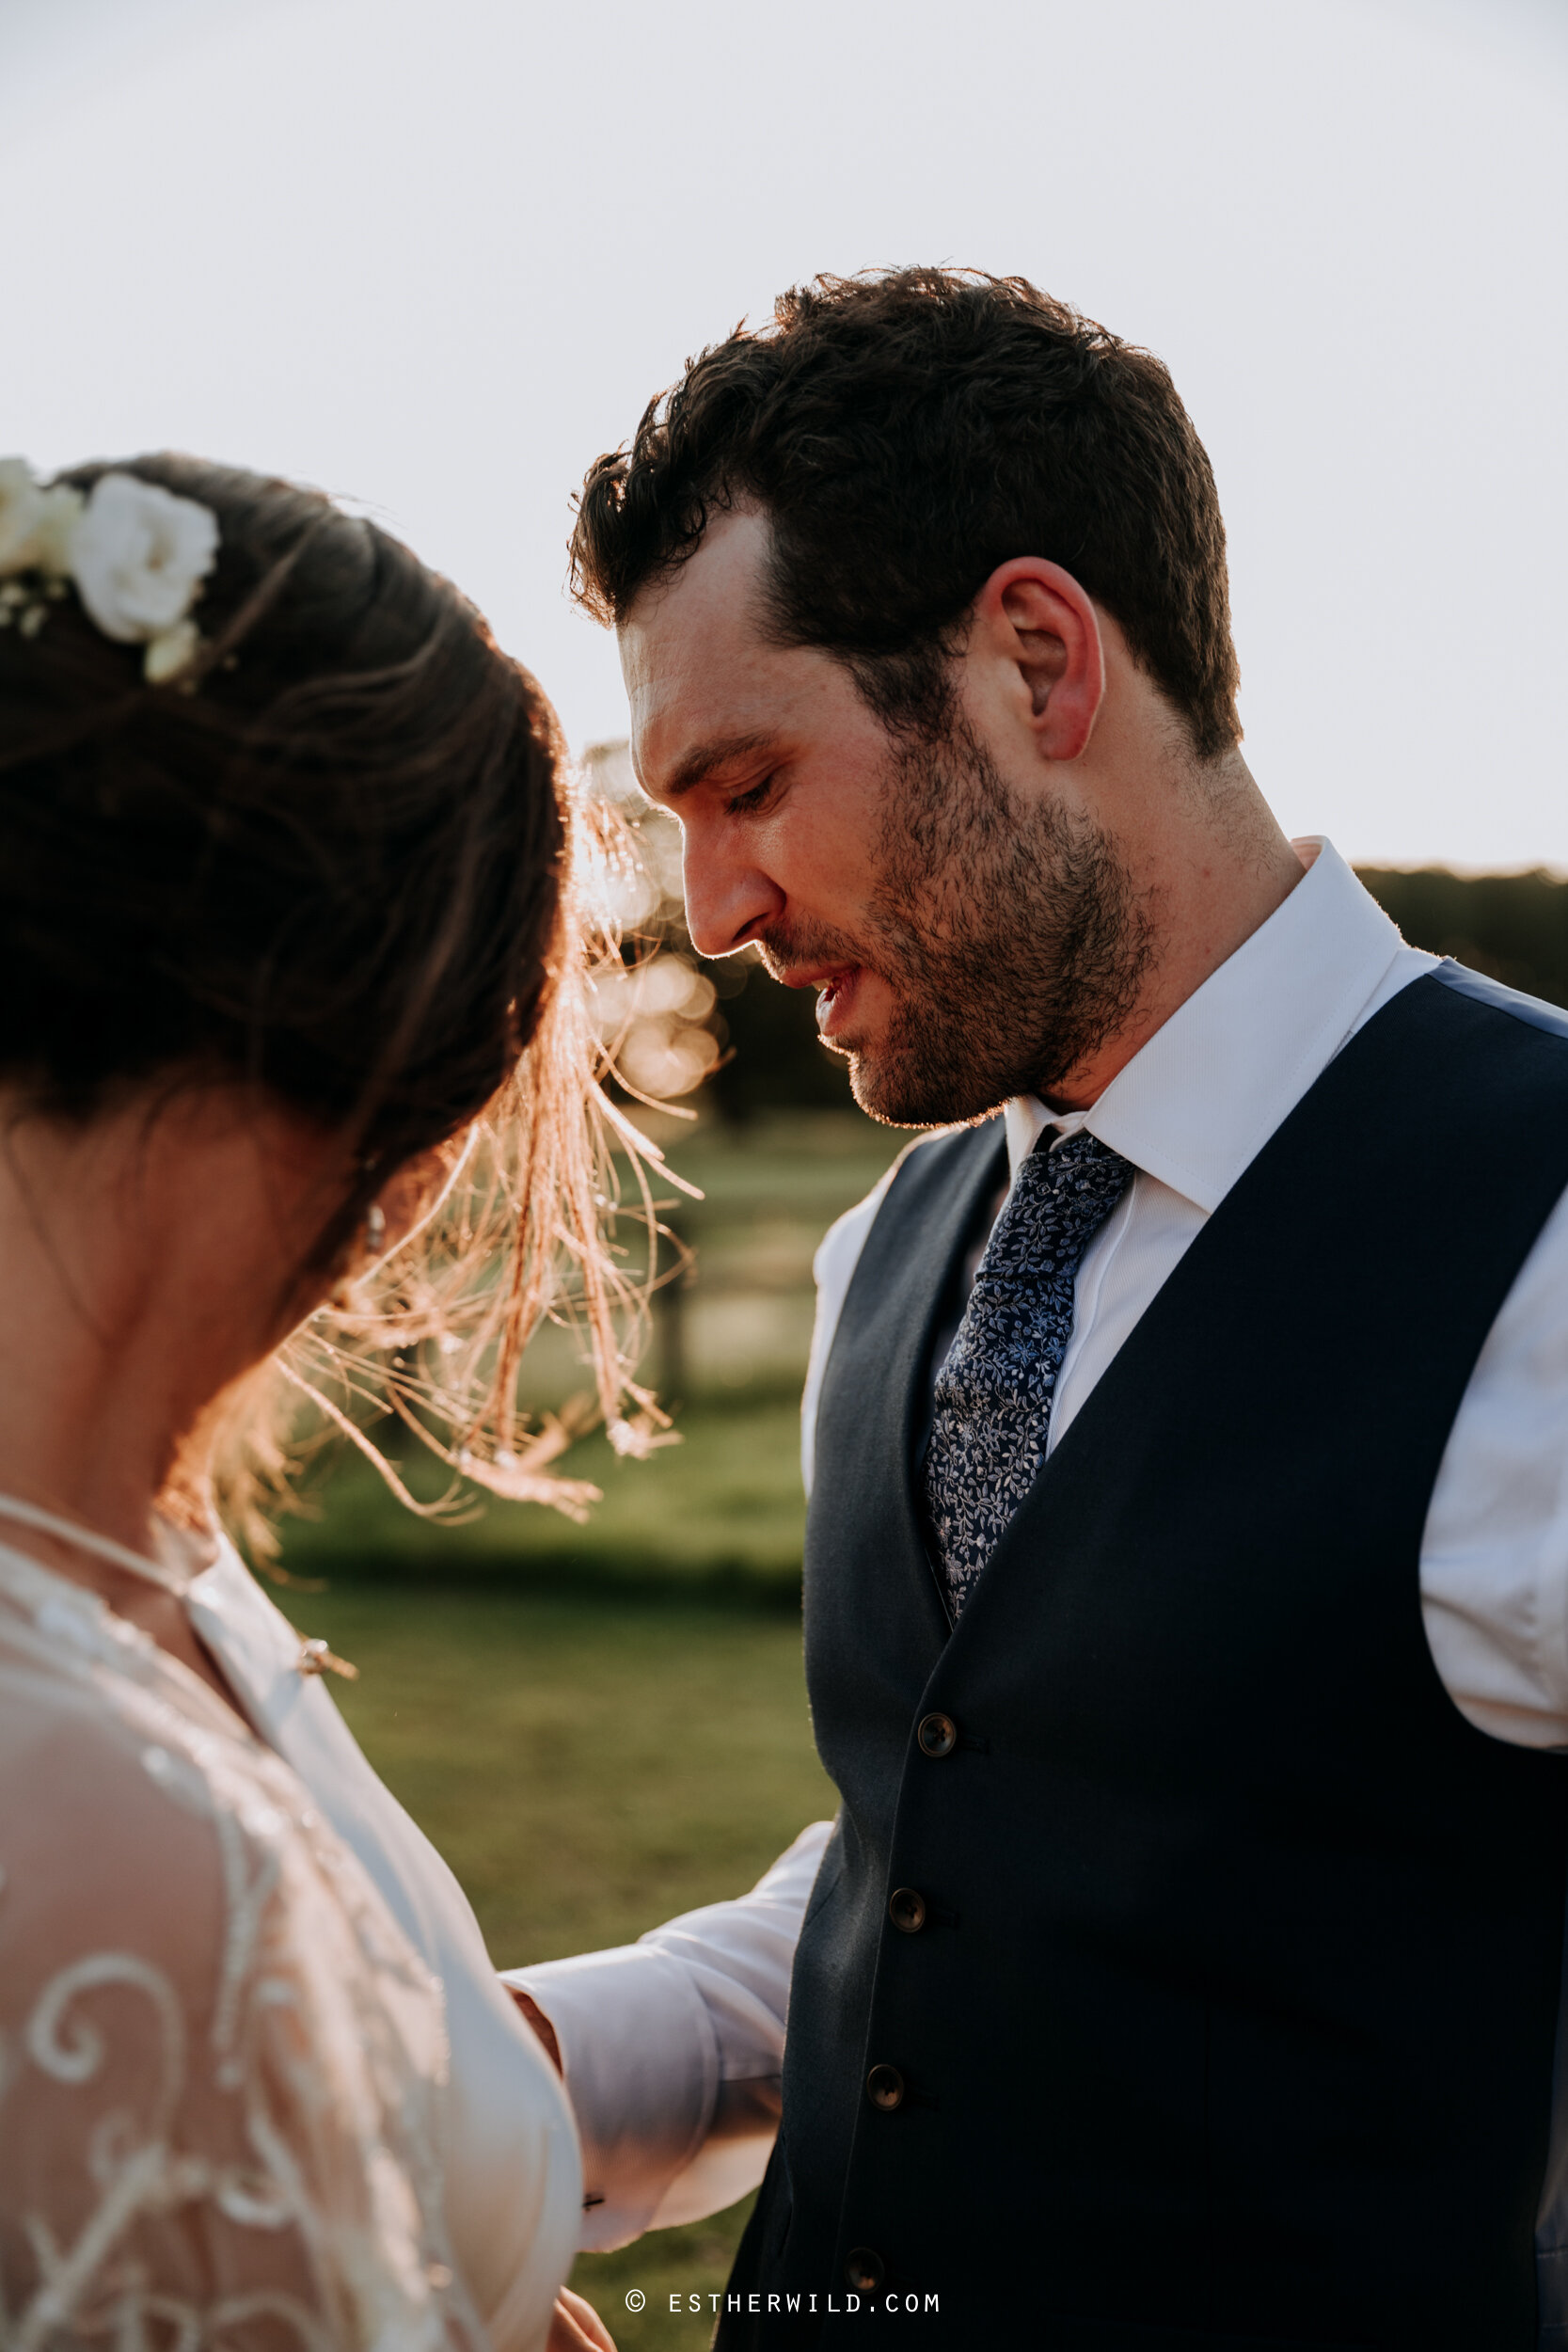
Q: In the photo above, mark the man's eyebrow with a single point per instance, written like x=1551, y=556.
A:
x=719, y=751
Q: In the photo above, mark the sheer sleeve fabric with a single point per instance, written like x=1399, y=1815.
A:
x=218, y=2055
x=513, y=2173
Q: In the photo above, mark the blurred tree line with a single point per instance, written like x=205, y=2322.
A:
x=1513, y=926
x=679, y=1024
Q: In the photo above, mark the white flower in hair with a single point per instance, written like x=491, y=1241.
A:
x=136, y=554
x=139, y=558
x=37, y=526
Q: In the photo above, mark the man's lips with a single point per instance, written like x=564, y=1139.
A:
x=836, y=985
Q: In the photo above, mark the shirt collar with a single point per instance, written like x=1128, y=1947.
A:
x=1196, y=1104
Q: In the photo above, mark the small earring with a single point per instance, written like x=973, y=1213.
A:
x=374, y=1234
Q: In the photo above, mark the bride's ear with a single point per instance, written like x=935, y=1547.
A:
x=1036, y=637
x=410, y=1197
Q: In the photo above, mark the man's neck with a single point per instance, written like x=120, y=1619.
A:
x=1204, y=902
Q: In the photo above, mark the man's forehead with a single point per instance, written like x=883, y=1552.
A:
x=718, y=588
x=697, y=659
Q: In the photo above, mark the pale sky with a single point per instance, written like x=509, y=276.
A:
x=436, y=254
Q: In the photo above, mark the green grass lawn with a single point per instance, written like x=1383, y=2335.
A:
x=589, y=1766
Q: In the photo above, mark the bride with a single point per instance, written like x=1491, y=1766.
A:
x=288, y=955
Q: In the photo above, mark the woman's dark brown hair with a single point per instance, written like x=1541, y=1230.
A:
x=906, y=433
x=336, y=861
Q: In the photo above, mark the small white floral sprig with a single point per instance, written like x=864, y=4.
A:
x=135, y=554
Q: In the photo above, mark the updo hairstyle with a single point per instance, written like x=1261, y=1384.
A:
x=335, y=859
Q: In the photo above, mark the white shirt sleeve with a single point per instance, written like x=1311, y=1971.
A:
x=1495, y=1552
x=673, y=2049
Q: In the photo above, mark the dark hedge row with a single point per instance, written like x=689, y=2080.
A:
x=1513, y=926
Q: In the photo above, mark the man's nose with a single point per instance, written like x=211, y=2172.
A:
x=729, y=900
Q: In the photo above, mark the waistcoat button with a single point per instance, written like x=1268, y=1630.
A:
x=907, y=1910
x=865, y=2271
x=938, y=1735
x=884, y=2088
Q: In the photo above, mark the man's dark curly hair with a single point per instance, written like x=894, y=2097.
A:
x=906, y=433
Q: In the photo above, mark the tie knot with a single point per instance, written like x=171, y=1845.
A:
x=1060, y=1198
x=1079, y=1167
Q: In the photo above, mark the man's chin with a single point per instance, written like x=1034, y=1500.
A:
x=900, y=1091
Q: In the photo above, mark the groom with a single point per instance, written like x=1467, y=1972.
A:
x=1187, y=1586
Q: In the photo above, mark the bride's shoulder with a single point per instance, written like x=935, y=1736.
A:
x=110, y=1837
x=95, y=1719
x=139, y=1817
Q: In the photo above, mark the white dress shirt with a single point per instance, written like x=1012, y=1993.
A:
x=651, y=2071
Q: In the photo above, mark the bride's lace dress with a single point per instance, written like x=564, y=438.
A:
x=220, y=2059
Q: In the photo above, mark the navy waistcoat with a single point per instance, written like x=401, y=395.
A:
x=1225, y=2012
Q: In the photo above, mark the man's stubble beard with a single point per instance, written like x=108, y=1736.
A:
x=1009, y=932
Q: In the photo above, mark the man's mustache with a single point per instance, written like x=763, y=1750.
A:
x=784, y=948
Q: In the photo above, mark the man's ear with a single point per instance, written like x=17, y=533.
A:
x=1035, y=620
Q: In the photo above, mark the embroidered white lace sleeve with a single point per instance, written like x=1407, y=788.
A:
x=219, y=2057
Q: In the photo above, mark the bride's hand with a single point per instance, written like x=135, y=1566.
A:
x=577, y=2327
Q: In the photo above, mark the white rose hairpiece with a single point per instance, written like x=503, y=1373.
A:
x=135, y=554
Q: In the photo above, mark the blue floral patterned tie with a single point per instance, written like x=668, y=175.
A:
x=995, y=1392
